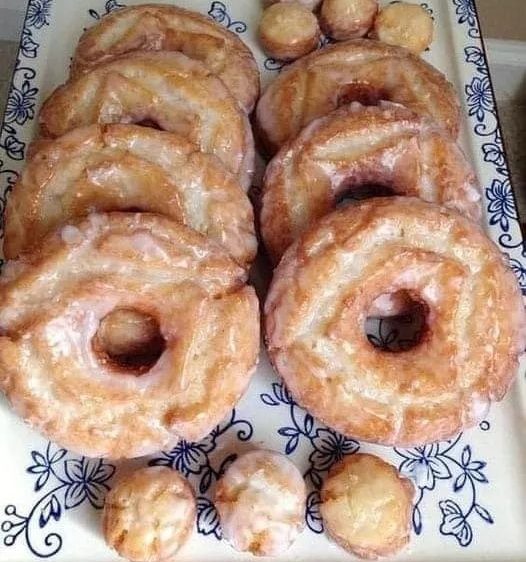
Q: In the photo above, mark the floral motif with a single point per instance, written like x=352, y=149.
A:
x=218, y=11
x=38, y=13
x=328, y=446
x=28, y=47
x=501, y=206
x=440, y=461
x=475, y=56
x=20, y=104
x=466, y=12
x=109, y=7
x=193, y=460
x=75, y=480
x=480, y=97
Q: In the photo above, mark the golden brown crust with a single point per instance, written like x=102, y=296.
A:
x=122, y=167
x=52, y=303
x=324, y=287
x=288, y=31
x=405, y=25
x=149, y=514
x=333, y=157
x=157, y=27
x=176, y=93
x=310, y=4
x=261, y=503
x=347, y=19
x=366, y=506
x=359, y=70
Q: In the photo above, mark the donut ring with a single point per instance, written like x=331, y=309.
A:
x=154, y=27
x=366, y=506
x=333, y=274
x=149, y=514
x=334, y=156
x=57, y=374
x=358, y=70
x=120, y=167
x=174, y=92
x=261, y=503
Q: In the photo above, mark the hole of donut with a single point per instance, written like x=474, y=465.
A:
x=129, y=340
x=396, y=321
x=363, y=191
x=150, y=123
x=362, y=93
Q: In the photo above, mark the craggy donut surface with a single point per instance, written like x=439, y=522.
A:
x=122, y=167
x=149, y=514
x=359, y=70
x=261, y=503
x=331, y=278
x=168, y=89
x=366, y=506
x=154, y=27
x=55, y=367
x=354, y=147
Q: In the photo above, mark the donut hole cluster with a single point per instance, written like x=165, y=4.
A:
x=397, y=321
x=291, y=29
x=129, y=341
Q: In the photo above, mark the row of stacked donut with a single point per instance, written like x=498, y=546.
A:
x=126, y=321
x=261, y=500
x=420, y=250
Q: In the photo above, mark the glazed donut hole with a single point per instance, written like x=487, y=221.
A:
x=129, y=341
x=405, y=25
x=396, y=321
x=366, y=506
x=149, y=515
x=347, y=19
x=288, y=31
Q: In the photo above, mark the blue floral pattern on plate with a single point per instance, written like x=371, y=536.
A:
x=63, y=482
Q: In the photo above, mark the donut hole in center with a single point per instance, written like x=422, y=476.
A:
x=357, y=192
x=362, y=93
x=396, y=321
x=129, y=341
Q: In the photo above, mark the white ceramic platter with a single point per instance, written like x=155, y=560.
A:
x=471, y=491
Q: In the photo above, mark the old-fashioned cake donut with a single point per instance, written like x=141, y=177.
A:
x=166, y=90
x=359, y=70
x=58, y=365
x=158, y=27
x=353, y=264
x=122, y=167
x=356, y=151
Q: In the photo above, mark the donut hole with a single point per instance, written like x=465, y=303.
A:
x=396, y=321
x=129, y=341
x=362, y=93
x=358, y=192
x=150, y=123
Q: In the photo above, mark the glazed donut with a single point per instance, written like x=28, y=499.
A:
x=405, y=25
x=360, y=70
x=347, y=19
x=166, y=89
x=56, y=367
x=366, y=506
x=354, y=147
x=288, y=30
x=261, y=503
x=154, y=27
x=149, y=514
x=331, y=278
x=122, y=167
